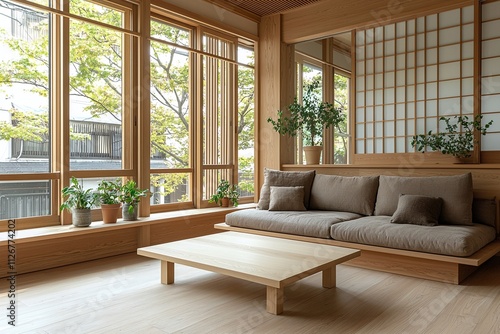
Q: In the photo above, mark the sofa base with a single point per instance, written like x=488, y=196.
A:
x=442, y=268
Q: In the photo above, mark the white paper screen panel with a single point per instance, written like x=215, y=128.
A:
x=411, y=73
x=490, y=72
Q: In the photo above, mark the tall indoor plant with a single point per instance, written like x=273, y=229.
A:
x=308, y=118
x=109, y=196
x=457, y=139
x=130, y=197
x=79, y=201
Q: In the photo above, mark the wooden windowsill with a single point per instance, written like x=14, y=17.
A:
x=61, y=231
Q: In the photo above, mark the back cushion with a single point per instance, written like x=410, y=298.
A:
x=284, y=179
x=344, y=193
x=484, y=211
x=456, y=192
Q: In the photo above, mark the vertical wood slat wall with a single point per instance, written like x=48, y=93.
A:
x=408, y=75
x=218, y=114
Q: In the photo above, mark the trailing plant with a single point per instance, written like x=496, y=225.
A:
x=308, y=118
x=109, y=191
x=456, y=140
x=131, y=194
x=77, y=197
x=225, y=190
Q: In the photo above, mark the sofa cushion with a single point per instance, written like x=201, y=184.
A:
x=344, y=193
x=287, y=199
x=307, y=223
x=484, y=211
x=455, y=240
x=284, y=179
x=417, y=210
x=456, y=192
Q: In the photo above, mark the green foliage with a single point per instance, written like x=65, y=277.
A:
x=109, y=191
x=225, y=190
x=308, y=118
x=77, y=197
x=96, y=61
x=131, y=194
x=457, y=140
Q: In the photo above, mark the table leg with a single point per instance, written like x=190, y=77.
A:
x=330, y=277
x=274, y=302
x=167, y=272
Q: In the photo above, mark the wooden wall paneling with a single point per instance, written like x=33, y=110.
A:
x=275, y=77
x=179, y=229
x=328, y=17
x=51, y=253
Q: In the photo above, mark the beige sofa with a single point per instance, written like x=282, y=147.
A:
x=414, y=217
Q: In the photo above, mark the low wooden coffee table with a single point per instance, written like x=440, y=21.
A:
x=273, y=262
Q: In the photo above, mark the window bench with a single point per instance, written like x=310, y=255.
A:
x=54, y=246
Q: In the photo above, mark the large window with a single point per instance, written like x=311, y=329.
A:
x=72, y=76
x=335, y=141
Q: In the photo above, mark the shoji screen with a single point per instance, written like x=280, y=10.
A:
x=408, y=75
x=490, y=82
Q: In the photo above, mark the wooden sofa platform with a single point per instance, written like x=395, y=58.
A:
x=442, y=268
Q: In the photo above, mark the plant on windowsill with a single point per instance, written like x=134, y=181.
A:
x=457, y=139
x=130, y=197
x=109, y=197
x=225, y=193
x=79, y=201
x=308, y=119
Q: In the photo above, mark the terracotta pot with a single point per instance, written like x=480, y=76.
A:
x=225, y=202
x=110, y=213
x=313, y=154
x=81, y=217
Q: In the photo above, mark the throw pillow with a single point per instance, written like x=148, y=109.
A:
x=417, y=210
x=285, y=179
x=287, y=199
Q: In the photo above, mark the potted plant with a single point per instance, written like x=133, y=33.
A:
x=457, y=139
x=225, y=193
x=79, y=201
x=109, y=196
x=308, y=119
x=130, y=196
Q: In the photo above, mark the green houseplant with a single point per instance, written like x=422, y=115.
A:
x=308, y=119
x=131, y=196
x=79, y=201
x=225, y=193
x=109, y=196
x=457, y=139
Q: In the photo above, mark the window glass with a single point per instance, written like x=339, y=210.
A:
x=96, y=107
x=25, y=90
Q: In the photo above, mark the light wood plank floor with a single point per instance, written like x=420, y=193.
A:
x=123, y=294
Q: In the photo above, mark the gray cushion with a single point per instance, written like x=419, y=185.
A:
x=308, y=223
x=455, y=240
x=284, y=179
x=417, y=210
x=456, y=192
x=484, y=211
x=344, y=193
x=287, y=199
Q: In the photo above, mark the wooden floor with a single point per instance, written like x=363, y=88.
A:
x=123, y=295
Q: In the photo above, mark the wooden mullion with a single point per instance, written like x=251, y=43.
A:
x=65, y=106
x=476, y=156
